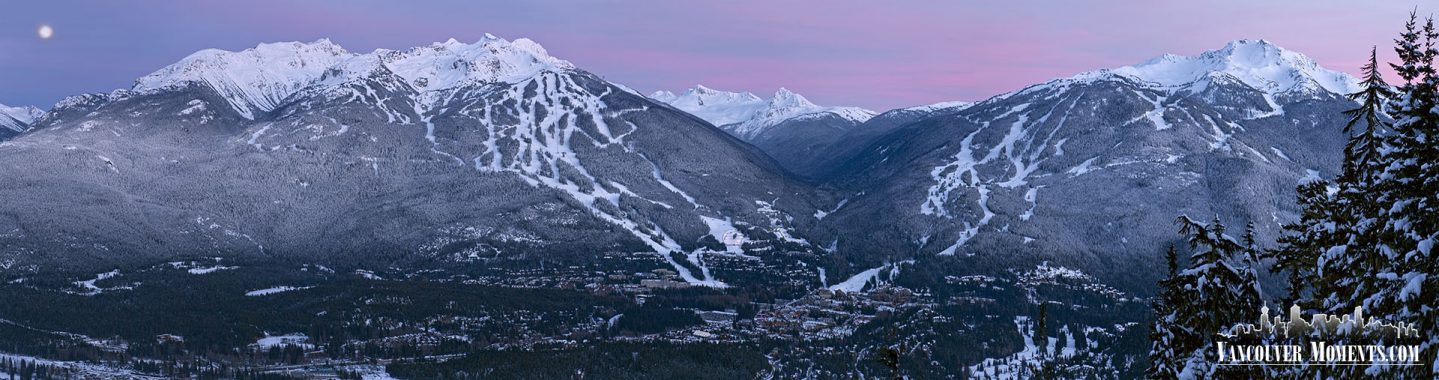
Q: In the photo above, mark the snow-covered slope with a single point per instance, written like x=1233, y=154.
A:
x=786, y=105
x=262, y=78
x=18, y=119
x=1103, y=161
x=452, y=64
x=24, y=114
x=253, y=80
x=715, y=106
x=746, y=116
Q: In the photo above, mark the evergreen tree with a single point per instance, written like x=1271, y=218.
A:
x=1201, y=302
x=1249, y=257
x=1353, y=214
x=1045, y=368
x=1248, y=240
x=1363, y=147
x=1373, y=236
x=1164, y=335
x=1041, y=329
x=1172, y=258
x=1303, y=242
x=1407, y=186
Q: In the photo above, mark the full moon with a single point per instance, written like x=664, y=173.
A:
x=45, y=32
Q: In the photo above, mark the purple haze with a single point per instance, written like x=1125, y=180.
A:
x=875, y=54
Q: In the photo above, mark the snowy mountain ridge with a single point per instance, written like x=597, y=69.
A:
x=715, y=106
x=787, y=105
x=256, y=79
x=18, y=119
x=951, y=105
x=1257, y=63
x=746, y=115
x=260, y=79
x=450, y=64
x=1009, y=169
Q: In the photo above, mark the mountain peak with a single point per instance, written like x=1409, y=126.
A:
x=1255, y=62
x=745, y=114
x=1245, y=43
x=22, y=113
x=663, y=96
x=257, y=78
x=451, y=64
x=718, y=107
x=786, y=99
x=293, y=60
x=700, y=90
x=18, y=119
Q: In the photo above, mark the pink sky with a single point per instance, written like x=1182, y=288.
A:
x=875, y=54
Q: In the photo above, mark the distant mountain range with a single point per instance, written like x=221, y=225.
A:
x=496, y=150
x=16, y=120
x=747, y=116
x=788, y=127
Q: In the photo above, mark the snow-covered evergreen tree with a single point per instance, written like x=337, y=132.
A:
x=1200, y=302
x=1249, y=258
x=1407, y=187
x=1171, y=258
x=1363, y=147
x=1385, y=213
x=1304, y=240
x=1348, y=243
x=1168, y=339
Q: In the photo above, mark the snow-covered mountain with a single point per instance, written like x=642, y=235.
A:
x=1257, y=63
x=746, y=116
x=1091, y=170
x=718, y=107
x=258, y=80
x=788, y=127
x=252, y=81
x=450, y=152
x=938, y=107
x=787, y=105
x=14, y=120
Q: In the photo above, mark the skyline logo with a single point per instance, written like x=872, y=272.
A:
x=1324, y=340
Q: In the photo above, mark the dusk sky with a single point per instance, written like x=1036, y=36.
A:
x=875, y=54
